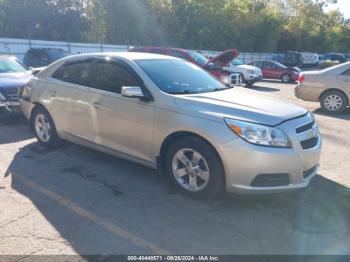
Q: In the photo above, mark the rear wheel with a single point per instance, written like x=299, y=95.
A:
x=334, y=102
x=285, y=78
x=44, y=128
x=194, y=168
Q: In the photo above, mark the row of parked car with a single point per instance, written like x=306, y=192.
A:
x=225, y=66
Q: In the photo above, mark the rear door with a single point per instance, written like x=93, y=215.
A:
x=344, y=80
x=69, y=98
x=119, y=123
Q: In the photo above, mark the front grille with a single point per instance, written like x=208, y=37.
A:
x=309, y=172
x=306, y=127
x=11, y=95
x=236, y=79
x=268, y=180
x=309, y=143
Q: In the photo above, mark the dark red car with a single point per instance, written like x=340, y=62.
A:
x=275, y=70
x=214, y=65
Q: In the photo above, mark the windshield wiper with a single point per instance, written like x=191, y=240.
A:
x=184, y=92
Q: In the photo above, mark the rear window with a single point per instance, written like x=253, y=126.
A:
x=74, y=73
x=56, y=54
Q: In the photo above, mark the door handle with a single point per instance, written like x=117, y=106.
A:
x=53, y=93
x=96, y=105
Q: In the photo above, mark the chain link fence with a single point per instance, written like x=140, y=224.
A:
x=18, y=47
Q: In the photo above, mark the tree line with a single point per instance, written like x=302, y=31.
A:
x=248, y=25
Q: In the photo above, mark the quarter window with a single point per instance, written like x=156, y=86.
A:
x=74, y=73
x=112, y=77
x=346, y=73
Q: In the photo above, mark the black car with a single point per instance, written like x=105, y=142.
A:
x=13, y=75
x=39, y=57
x=335, y=57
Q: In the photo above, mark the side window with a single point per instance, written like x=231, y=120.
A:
x=266, y=65
x=346, y=73
x=74, y=73
x=112, y=77
x=178, y=54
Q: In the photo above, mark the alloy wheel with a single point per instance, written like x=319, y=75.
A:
x=42, y=127
x=190, y=170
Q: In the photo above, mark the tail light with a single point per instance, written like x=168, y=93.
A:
x=301, y=79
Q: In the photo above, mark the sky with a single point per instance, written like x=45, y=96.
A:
x=342, y=5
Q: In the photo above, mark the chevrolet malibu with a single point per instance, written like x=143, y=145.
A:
x=172, y=115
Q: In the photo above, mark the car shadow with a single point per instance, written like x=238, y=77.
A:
x=101, y=204
x=19, y=133
x=263, y=88
x=345, y=115
x=276, y=81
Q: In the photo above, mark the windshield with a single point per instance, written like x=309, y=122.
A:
x=201, y=60
x=179, y=77
x=236, y=62
x=57, y=54
x=11, y=65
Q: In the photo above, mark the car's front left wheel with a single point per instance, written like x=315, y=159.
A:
x=195, y=168
x=44, y=128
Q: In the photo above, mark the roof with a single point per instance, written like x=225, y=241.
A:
x=158, y=47
x=127, y=55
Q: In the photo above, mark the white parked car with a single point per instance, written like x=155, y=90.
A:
x=250, y=74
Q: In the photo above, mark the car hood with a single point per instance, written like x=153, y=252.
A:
x=244, y=67
x=224, y=58
x=11, y=81
x=238, y=104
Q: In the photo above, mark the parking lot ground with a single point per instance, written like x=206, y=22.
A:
x=78, y=201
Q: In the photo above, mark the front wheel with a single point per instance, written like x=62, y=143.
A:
x=334, y=102
x=194, y=168
x=44, y=128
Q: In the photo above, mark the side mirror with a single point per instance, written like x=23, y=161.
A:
x=36, y=70
x=132, y=92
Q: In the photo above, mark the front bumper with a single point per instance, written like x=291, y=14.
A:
x=246, y=163
x=26, y=107
x=10, y=106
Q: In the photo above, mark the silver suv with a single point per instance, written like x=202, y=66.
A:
x=170, y=114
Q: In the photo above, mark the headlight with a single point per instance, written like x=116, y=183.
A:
x=259, y=134
x=25, y=92
x=2, y=97
x=251, y=72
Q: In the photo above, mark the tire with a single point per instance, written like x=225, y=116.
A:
x=249, y=84
x=199, y=173
x=286, y=78
x=334, y=102
x=44, y=128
